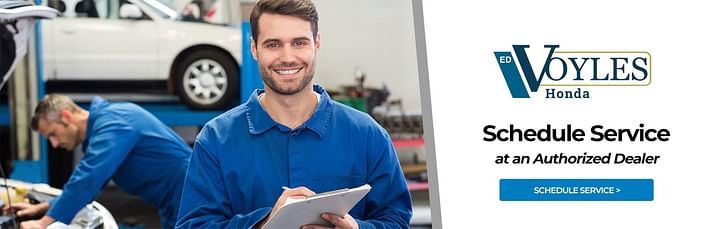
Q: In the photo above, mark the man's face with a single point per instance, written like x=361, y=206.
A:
x=285, y=50
x=60, y=133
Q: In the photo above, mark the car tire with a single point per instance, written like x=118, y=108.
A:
x=207, y=80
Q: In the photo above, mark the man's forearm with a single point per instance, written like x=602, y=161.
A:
x=46, y=221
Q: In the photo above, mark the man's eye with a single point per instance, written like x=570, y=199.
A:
x=300, y=43
x=273, y=45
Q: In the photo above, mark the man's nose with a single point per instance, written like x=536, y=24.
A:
x=53, y=142
x=287, y=54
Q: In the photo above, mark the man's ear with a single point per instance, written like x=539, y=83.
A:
x=317, y=41
x=66, y=116
x=254, y=49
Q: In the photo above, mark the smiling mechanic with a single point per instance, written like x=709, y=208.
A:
x=290, y=134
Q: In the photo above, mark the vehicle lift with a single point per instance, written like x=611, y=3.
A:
x=35, y=170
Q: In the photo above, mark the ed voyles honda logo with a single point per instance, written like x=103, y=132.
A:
x=569, y=74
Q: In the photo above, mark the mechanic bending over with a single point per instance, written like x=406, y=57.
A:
x=121, y=141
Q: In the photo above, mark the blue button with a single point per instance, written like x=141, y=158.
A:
x=576, y=190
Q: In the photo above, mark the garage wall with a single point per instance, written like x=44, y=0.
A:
x=376, y=36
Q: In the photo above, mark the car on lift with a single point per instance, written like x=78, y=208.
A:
x=142, y=41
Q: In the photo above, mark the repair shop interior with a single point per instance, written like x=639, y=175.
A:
x=182, y=63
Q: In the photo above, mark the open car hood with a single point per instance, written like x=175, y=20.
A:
x=17, y=21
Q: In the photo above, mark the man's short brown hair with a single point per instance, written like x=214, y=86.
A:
x=50, y=107
x=303, y=9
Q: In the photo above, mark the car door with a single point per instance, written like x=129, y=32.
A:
x=91, y=42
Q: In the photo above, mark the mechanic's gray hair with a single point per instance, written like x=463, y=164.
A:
x=50, y=107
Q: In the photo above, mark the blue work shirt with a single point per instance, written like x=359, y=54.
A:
x=128, y=144
x=242, y=159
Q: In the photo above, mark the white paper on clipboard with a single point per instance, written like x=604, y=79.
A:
x=297, y=212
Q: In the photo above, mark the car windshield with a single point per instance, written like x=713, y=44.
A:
x=159, y=9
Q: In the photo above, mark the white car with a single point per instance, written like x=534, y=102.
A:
x=142, y=41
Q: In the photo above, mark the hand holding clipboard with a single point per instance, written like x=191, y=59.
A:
x=296, y=212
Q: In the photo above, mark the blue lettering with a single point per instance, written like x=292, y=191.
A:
x=615, y=68
x=531, y=79
x=595, y=72
x=563, y=67
x=644, y=71
x=578, y=68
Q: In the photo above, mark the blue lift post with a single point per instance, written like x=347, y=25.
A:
x=172, y=114
x=4, y=115
x=250, y=69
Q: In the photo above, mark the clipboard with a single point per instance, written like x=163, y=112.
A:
x=297, y=212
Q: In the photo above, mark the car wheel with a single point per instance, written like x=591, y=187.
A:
x=207, y=79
